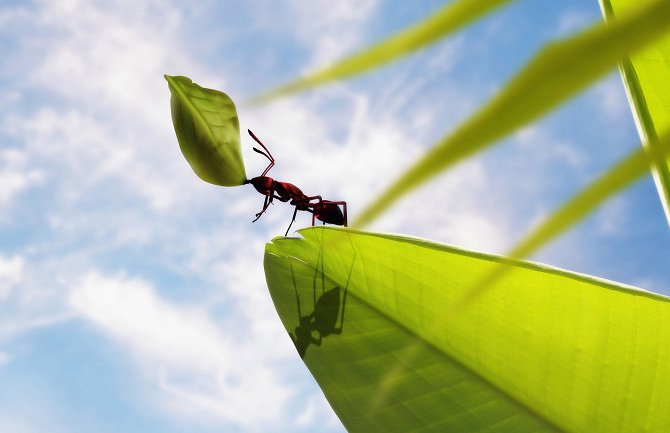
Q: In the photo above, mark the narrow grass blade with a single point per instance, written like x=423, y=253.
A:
x=557, y=73
x=546, y=351
x=622, y=175
x=450, y=18
x=645, y=76
x=208, y=131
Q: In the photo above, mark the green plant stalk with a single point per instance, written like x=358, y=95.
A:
x=645, y=78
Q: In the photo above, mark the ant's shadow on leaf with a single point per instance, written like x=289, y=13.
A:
x=326, y=318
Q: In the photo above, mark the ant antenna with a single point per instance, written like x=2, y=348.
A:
x=257, y=150
x=268, y=155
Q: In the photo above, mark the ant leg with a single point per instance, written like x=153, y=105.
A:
x=289, y=226
x=314, y=197
x=266, y=203
x=313, y=205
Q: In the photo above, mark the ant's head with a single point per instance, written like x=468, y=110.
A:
x=263, y=184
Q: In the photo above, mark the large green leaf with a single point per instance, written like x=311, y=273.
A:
x=646, y=76
x=546, y=350
x=208, y=131
x=557, y=73
x=446, y=20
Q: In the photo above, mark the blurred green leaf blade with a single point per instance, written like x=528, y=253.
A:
x=614, y=180
x=557, y=73
x=448, y=19
x=208, y=131
x=546, y=350
x=645, y=76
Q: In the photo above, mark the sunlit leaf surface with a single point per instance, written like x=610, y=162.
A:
x=546, y=350
x=557, y=73
x=647, y=79
x=208, y=131
x=450, y=18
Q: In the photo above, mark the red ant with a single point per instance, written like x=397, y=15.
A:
x=323, y=210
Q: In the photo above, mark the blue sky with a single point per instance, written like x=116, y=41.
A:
x=132, y=296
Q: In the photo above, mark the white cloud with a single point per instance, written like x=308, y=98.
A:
x=16, y=176
x=317, y=411
x=611, y=100
x=31, y=293
x=202, y=368
x=545, y=145
x=613, y=217
x=103, y=64
x=332, y=34
x=11, y=273
x=572, y=21
x=465, y=201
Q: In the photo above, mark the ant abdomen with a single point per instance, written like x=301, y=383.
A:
x=330, y=213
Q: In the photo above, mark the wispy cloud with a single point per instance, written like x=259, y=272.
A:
x=572, y=21
x=330, y=35
x=16, y=176
x=11, y=273
x=203, y=367
x=317, y=411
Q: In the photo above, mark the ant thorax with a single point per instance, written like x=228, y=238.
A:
x=288, y=190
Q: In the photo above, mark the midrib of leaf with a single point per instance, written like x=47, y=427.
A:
x=185, y=99
x=558, y=72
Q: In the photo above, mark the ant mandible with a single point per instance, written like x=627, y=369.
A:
x=324, y=210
